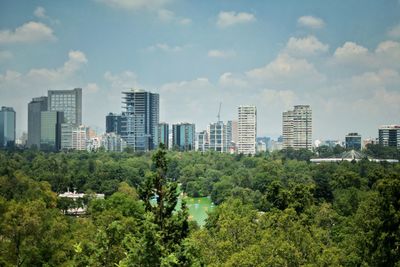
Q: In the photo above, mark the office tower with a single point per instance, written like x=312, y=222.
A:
x=141, y=115
x=74, y=137
x=35, y=107
x=50, y=130
x=113, y=142
x=202, y=141
x=217, y=137
x=353, y=141
x=297, y=127
x=161, y=135
x=7, y=127
x=183, y=136
x=247, y=130
x=69, y=102
x=113, y=123
x=389, y=135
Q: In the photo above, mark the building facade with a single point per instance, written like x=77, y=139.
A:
x=353, y=141
x=7, y=127
x=69, y=102
x=202, y=141
x=161, y=135
x=297, y=127
x=247, y=130
x=113, y=123
x=113, y=142
x=389, y=135
x=183, y=136
x=50, y=130
x=35, y=107
x=217, y=137
x=141, y=115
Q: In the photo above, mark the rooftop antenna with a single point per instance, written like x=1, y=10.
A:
x=219, y=112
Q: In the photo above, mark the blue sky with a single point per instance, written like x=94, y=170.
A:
x=341, y=57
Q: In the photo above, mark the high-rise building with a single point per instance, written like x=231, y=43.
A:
x=297, y=127
x=389, y=135
x=183, y=136
x=247, y=130
x=353, y=141
x=161, y=135
x=35, y=107
x=74, y=137
x=232, y=132
x=202, y=141
x=113, y=123
x=50, y=132
x=69, y=102
x=141, y=115
x=113, y=142
x=217, y=137
x=7, y=127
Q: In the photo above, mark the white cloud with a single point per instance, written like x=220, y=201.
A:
x=5, y=55
x=394, y=32
x=286, y=70
x=227, y=79
x=19, y=88
x=306, y=46
x=40, y=12
x=134, y=4
x=122, y=81
x=30, y=32
x=92, y=88
x=166, y=15
x=164, y=47
x=311, y=22
x=221, y=53
x=227, y=19
x=350, y=50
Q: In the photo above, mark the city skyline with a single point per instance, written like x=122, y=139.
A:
x=344, y=64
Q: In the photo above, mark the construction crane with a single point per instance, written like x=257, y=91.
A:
x=219, y=112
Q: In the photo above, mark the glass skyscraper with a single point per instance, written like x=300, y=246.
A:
x=161, y=135
x=183, y=136
x=138, y=121
x=50, y=132
x=69, y=102
x=35, y=107
x=7, y=127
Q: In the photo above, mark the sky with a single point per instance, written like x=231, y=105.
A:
x=340, y=57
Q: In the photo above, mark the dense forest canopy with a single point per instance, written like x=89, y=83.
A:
x=274, y=209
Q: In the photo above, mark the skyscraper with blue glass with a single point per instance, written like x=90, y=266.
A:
x=7, y=127
x=183, y=136
x=139, y=119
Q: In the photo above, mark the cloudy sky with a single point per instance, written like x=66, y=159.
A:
x=341, y=57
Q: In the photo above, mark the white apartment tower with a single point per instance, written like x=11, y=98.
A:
x=297, y=127
x=247, y=130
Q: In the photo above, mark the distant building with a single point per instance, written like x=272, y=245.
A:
x=247, y=130
x=113, y=123
x=183, y=136
x=113, y=142
x=141, y=115
x=94, y=143
x=232, y=135
x=50, y=132
x=69, y=102
x=217, y=137
x=202, y=141
x=389, y=135
x=261, y=146
x=161, y=135
x=7, y=127
x=297, y=127
x=35, y=107
x=331, y=143
x=74, y=137
x=353, y=141
x=370, y=141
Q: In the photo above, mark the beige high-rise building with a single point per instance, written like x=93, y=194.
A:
x=247, y=130
x=297, y=127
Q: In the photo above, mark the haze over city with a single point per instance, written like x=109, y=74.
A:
x=341, y=58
